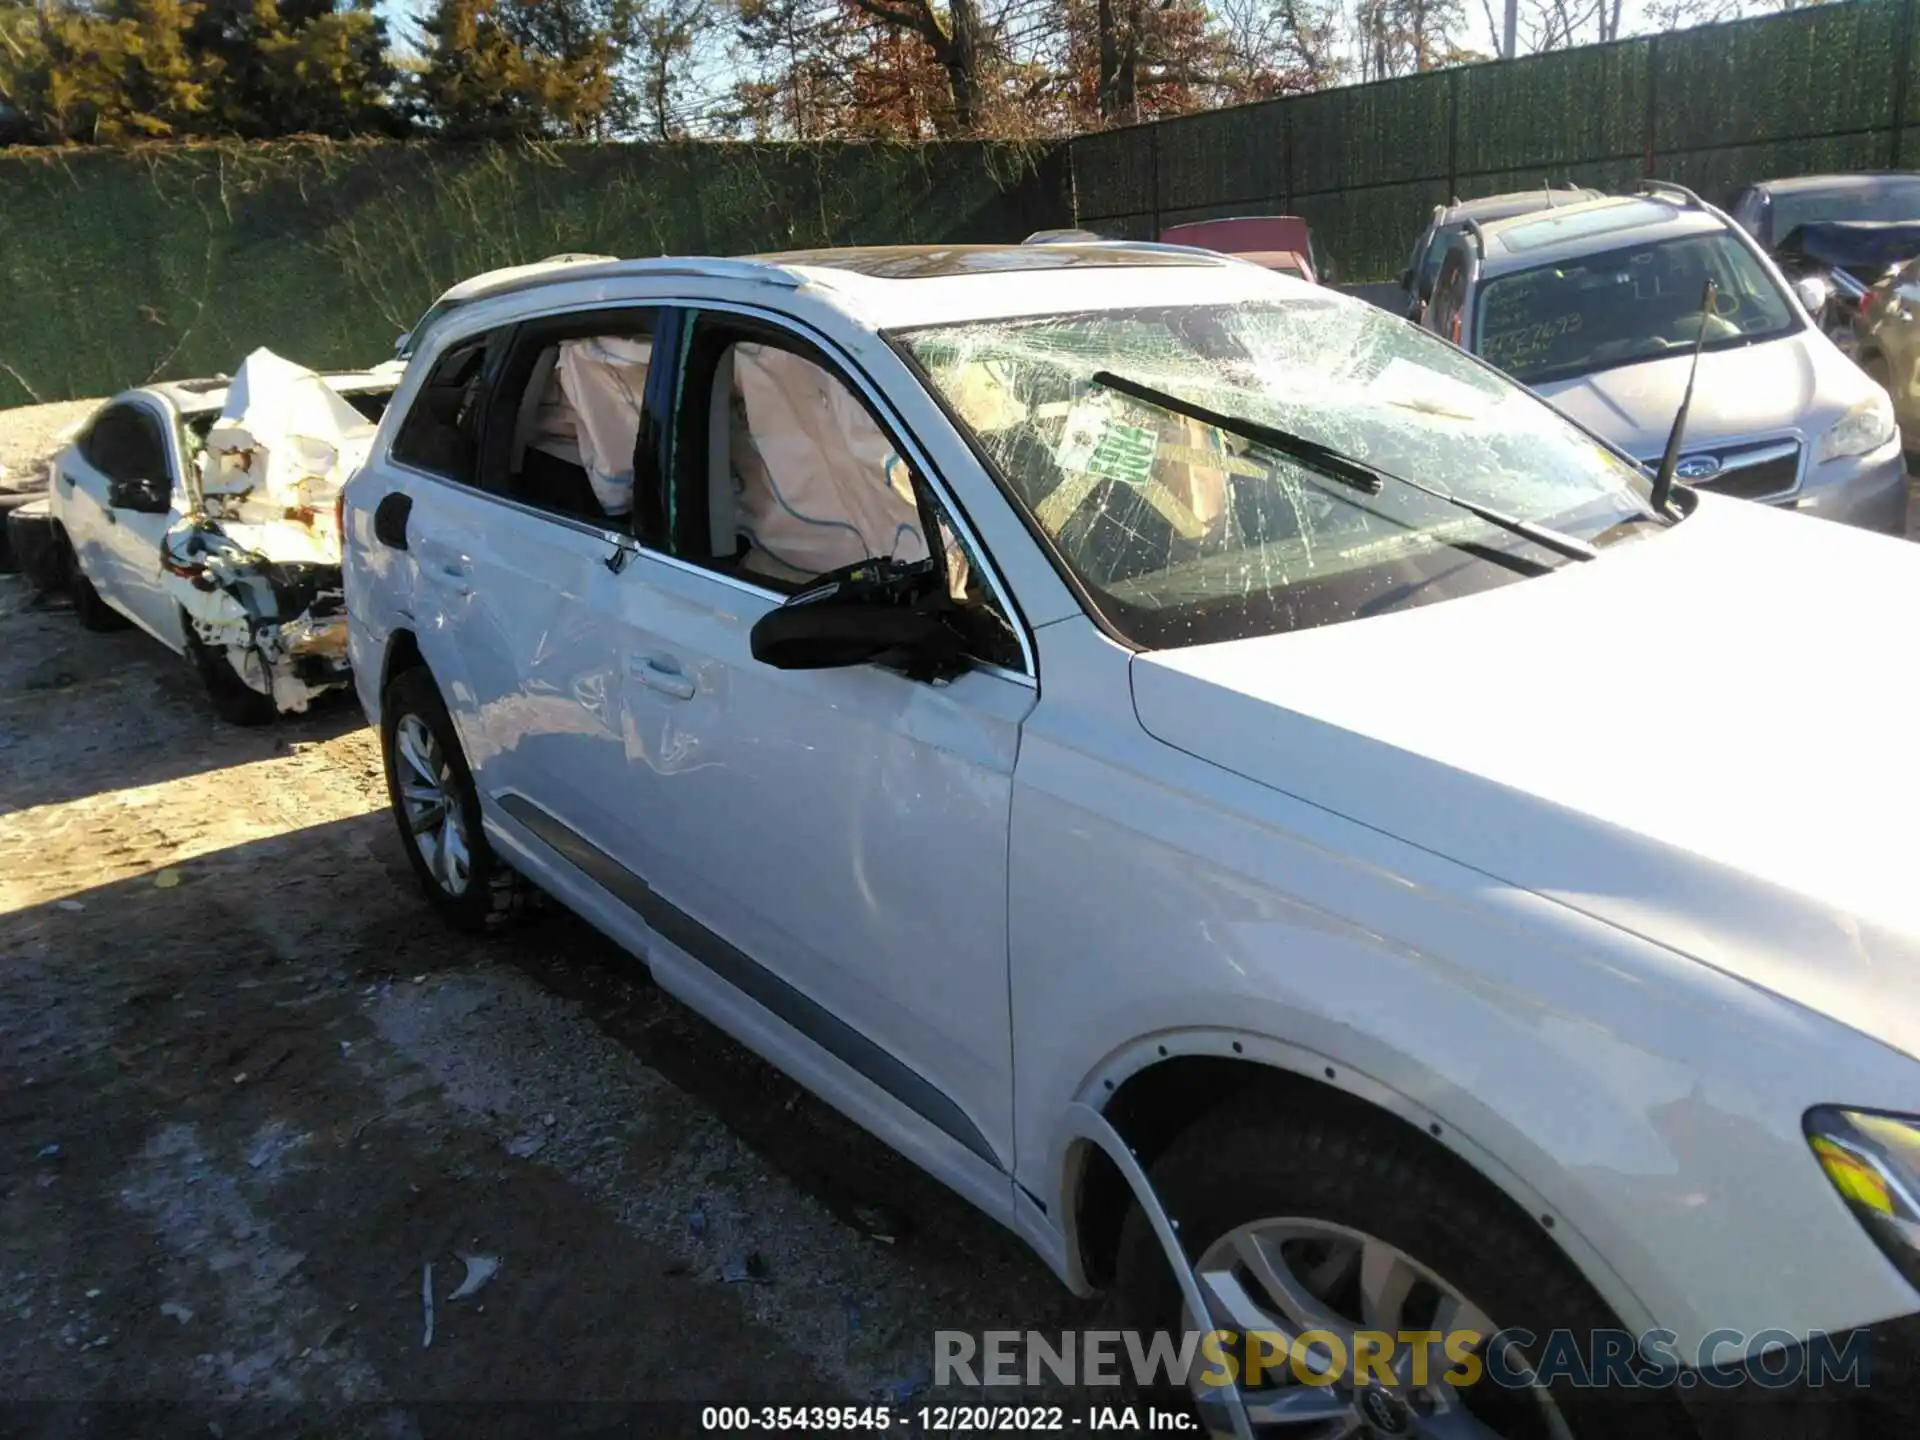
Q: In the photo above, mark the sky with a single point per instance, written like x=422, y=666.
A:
x=1634, y=19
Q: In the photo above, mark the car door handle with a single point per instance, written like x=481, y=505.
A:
x=657, y=672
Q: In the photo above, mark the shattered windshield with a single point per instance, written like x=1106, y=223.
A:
x=1185, y=532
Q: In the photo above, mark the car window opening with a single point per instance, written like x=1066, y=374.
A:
x=798, y=478
x=578, y=426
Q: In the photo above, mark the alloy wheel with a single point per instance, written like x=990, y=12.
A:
x=432, y=809
x=1289, y=1278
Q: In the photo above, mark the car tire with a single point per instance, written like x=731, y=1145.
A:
x=1329, y=1175
x=94, y=613
x=38, y=545
x=427, y=776
x=234, y=701
x=11, y=503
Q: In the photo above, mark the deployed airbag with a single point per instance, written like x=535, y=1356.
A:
x=602, y=381
x=818, y=485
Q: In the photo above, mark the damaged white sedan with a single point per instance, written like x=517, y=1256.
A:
x=206, y=512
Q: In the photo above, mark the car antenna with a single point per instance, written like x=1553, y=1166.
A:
x=1663, y=480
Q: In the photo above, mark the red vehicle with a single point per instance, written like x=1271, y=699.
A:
x=1279, y=242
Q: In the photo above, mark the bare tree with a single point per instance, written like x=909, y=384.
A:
x=1277, y=47
x=956, y=42
x=1401, y=37
x=669, y=33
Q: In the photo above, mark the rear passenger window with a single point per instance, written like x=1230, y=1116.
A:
x=568, y=418
x=439, y=434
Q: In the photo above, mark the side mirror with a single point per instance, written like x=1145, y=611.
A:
x=1406, y=278
x=142, y=497
x=1813, y=292
x=833, y=633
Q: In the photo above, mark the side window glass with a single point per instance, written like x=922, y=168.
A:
x=567, y=417
x=1449, y=294
x=438, y=434
x=125, y=444
x=797, y=477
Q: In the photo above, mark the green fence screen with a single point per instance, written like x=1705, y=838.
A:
x=1827, y=88
x=120, y=267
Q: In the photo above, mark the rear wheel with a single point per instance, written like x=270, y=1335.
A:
x=38, y=547
x=12, y=501
x=438, y=810
x=1339, y=1223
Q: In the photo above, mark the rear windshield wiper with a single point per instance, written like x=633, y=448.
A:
x=1362, y=475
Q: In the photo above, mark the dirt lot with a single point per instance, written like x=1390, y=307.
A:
x=250, y=1088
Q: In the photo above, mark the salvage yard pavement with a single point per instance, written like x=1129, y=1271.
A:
x=252, y=1089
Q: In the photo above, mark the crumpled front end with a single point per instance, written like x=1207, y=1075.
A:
x=256, y=565
x=281, y=624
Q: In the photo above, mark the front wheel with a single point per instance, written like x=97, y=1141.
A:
x=1340, y=1228
x=93, y=612
x=438, y=811
x=234, y=700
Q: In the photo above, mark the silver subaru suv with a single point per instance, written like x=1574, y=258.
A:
x=1597, y=307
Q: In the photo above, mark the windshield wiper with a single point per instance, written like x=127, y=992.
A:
x=1362, y=475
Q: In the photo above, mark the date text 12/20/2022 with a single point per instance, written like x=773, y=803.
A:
x=946, y=1419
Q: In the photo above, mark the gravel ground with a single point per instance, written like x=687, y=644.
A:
x=250, y=1088
x=31, y=433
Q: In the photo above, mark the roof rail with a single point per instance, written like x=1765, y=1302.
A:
x=1668, y=188
x=765, y=272
x=713, y=267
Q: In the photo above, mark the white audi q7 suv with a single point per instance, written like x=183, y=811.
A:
x=1253, y=799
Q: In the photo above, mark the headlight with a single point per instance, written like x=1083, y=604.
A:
x=1867, y=426
x=1874, y=1162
